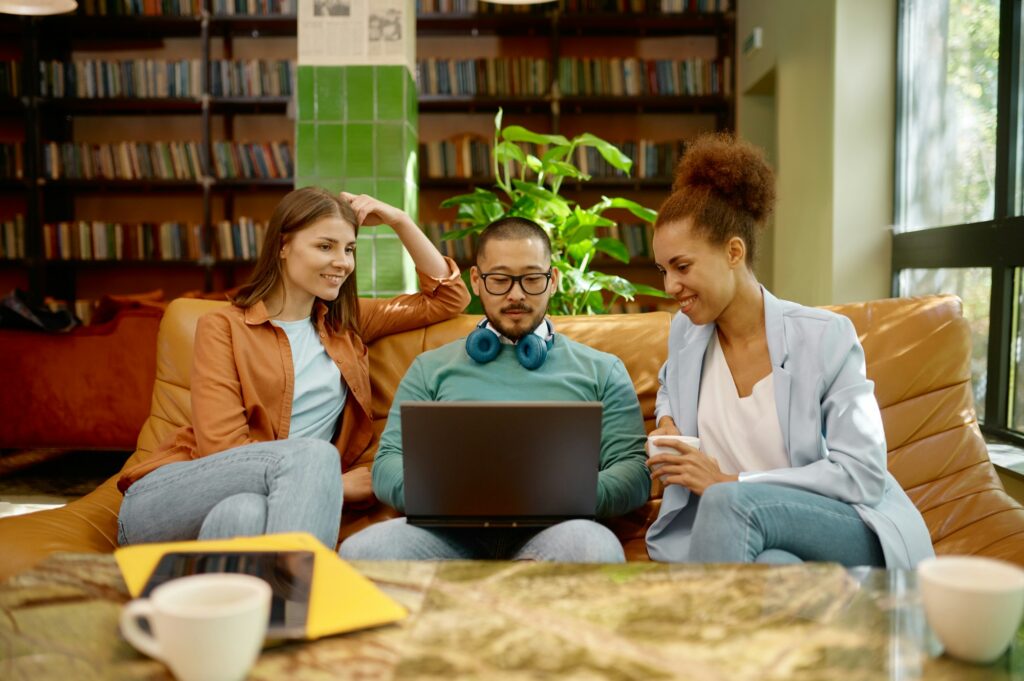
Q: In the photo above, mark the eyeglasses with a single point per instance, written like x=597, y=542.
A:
x=532, y=284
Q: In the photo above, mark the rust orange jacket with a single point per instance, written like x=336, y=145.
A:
x=243, y=378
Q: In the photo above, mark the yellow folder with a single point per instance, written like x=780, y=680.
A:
x=340, y=600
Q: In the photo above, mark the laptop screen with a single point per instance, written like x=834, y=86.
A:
x=500, y=463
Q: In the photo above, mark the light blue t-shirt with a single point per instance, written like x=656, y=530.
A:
x=320, y=392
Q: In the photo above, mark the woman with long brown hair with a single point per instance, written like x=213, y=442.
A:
x=280, y=383
x=792, y=459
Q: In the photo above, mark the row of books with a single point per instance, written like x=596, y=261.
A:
x=10, y=85
x=185, y=8
x=576, y=6
x=470, y=156
x=167, y=8
x=127, y=78
x=513, y=76
x=461, y=250
x=95, y=240
x=159, y=78
x=123, y=161
x=252, y=160
x=650, y=159
x=12, y=238
x=242, y=240
x=99, y=240
x=165, y=161
x=252, y=78
x=631, y=76
x=12, y=161
x=636, y=236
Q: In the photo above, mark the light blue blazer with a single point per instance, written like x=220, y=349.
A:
x=830, y=421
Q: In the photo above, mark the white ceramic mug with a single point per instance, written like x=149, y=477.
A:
x=973, y=604
x=206, y=627
x=654, y=448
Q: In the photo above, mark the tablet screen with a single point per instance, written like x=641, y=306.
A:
x=289, y=573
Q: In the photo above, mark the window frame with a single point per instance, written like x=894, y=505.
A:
x=997, y=243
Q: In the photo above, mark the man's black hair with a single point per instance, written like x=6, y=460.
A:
x=510, y=228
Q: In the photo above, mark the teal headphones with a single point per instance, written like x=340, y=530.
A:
x=483, y=345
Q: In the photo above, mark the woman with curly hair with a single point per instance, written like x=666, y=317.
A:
x=792, y=459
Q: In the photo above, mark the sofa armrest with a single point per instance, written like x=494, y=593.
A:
x=86, y=525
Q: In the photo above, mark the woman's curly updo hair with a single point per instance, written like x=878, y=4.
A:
x=724, y=187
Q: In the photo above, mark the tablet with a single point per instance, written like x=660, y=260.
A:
x=289, y=573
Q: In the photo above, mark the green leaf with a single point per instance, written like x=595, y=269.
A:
x=517, y=133
x=534, y=163
x=608, y=151
x=497, y=121
x=460, y=233
x=564, y=169
x=642, y=212
x=508, y=151
x=556, y=153
x=614, y=248
x=547, y=199
x=580, y=249
x=478, y=196
x=645, y=290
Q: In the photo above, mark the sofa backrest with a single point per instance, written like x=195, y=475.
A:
x=918, y=353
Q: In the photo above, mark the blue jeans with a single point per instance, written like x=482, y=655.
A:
x=572, y=541
x=261, y=488
x=746, y=522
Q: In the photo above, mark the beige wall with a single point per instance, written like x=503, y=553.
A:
x=819, y=97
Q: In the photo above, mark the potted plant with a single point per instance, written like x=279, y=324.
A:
x=527, y=185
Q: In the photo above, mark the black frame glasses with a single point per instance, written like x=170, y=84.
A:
x=513, y=279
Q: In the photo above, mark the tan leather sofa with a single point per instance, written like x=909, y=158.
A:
x=918, y=354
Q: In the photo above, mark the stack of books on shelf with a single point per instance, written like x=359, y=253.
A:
x=650, y=159
x=636, y=236
x=240, y=240
x=631, y=76
x=518, y=76
x=12, y=161
x=254, y=7
x=461, y=250
x=9, y=80
x=251, y=78
x=85, y=240
x=167, y=8
x=122, y=78
x=123, y=161
x=251, y=160
x=576, y=6
x=474, y=7
x=464, y=156
x=680, y=6
x=12, y=238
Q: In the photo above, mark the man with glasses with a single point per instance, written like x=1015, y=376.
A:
x=514, y=354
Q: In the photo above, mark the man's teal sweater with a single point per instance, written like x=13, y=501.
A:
x=572, y=371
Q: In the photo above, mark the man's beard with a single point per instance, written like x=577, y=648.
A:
x=512, y=333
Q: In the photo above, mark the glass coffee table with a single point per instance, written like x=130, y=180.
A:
x=492, y=620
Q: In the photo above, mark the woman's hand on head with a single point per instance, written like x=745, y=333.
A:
x=370, y=211
x=689, y=467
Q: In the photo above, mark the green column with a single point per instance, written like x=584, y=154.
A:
x=356, y=131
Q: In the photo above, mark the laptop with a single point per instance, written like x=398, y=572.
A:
x=500, y=464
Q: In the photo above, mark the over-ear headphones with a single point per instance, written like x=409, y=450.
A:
x=483, y=345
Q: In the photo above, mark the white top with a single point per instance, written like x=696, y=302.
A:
x=742, y=433
x=320, y=392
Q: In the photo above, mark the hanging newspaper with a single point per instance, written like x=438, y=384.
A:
x=343, y=32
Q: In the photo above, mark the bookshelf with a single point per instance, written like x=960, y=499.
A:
x=144, y=134
x=547, y=35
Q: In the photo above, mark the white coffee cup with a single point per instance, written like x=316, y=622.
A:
x=206, y=627
x=973, y=604
x=654, y=446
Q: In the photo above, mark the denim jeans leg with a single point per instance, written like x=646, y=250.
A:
x=240, y=515
x=574, y=541
x=300, y=480
x=737, y=522
x=395, y=539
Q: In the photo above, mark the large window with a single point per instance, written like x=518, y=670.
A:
x=959, y=189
